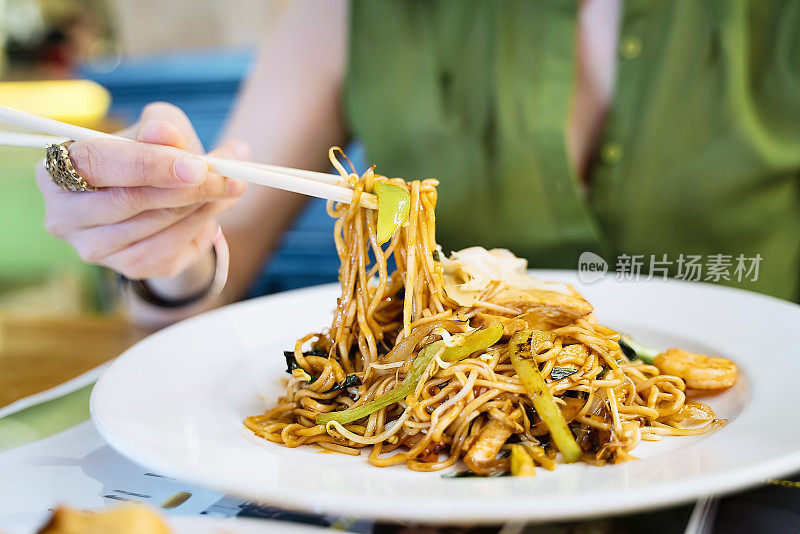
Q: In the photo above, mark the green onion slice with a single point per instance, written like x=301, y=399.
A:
x=393, y=206
x=472, y=342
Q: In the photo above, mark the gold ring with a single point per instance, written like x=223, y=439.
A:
x=59, y=167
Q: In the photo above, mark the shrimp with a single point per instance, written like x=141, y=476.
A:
x=699, y=371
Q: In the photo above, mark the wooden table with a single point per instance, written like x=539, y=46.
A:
x=37, y=353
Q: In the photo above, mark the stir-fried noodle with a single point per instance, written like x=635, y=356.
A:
x=472, y=408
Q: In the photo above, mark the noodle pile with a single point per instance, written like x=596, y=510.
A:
x=474, y=408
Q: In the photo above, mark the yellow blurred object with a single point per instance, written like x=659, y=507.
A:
x=128, y=519
x=81, y=102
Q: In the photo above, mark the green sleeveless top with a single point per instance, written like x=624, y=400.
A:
x=700, y=153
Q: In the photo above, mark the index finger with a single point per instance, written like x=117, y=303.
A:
x=117, y=163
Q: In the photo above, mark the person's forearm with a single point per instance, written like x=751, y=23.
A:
x=289, y=114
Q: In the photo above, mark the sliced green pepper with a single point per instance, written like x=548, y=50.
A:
x=474, y=341
x=393, y=206
x=634, y=350
x=543, y=401
x=521, y=462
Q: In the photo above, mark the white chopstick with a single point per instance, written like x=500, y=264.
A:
x=28, y=140
x=315, y=184
x=41, y=141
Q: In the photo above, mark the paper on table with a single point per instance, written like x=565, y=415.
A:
x=77, y=468
x=54, y=455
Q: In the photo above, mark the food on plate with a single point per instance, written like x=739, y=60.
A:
x=128, y=519
x=699, y=371
x=470, y=358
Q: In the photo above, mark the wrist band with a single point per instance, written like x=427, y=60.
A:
x=221, y=260
x=143, y=290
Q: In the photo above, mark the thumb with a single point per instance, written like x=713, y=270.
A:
x=162, y=133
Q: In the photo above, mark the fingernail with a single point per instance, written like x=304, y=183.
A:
x=191, y=170
x=241, y=149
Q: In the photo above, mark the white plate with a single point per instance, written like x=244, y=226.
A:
x=175, y=403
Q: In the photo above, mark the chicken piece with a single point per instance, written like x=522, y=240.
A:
x=480, y=458
x=577, y=351
x=510, y=324
x=538, y=315
x=544, y=310
x=699, y=371
x=472, y=273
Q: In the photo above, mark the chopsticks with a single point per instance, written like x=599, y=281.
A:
x=311, y=183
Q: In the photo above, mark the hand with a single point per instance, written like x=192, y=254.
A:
x=156, y=211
